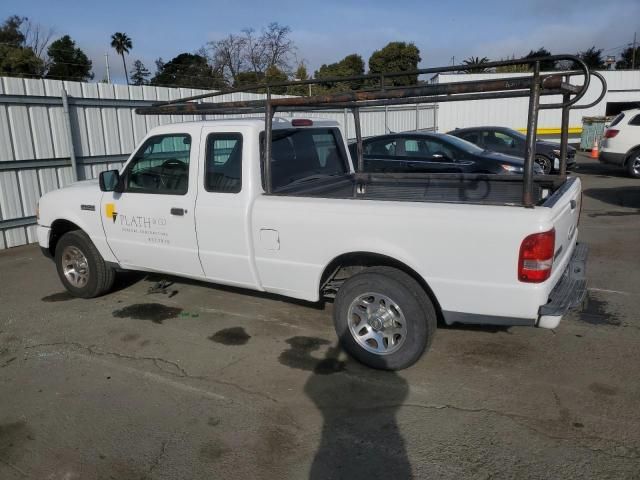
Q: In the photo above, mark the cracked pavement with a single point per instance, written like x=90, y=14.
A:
x=196, y=381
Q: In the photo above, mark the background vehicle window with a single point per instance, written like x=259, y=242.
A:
x=439, y=151
x=635, y=121
x=384, y=147
x=471, y=137
x=617, y=119
x=497, y=140
x=160, y=166
x=223, y=163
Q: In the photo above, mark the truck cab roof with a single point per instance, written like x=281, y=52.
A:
x=279, y=123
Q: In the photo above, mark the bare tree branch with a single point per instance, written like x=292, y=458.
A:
x=38, y=37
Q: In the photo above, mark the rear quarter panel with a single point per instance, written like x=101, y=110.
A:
x=467, y=254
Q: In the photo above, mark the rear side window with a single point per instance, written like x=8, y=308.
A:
x=635, y=121
x=617, y=119
x=300, y=153
x=223, y=164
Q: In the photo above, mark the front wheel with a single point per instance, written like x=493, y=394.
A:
x=80, y=266
x=384, y=318
x=633, y=164
x=545, y=163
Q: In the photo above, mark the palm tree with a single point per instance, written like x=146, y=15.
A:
x=476, y=65
x=122, y=44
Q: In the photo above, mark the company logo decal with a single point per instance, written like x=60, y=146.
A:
x=110, y=211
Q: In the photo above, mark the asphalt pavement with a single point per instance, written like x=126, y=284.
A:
x=193, y=381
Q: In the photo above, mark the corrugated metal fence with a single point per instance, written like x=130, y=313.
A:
x=35, y=133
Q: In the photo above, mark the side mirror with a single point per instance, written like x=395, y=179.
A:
x=109, y=180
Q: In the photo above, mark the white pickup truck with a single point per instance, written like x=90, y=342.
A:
x=398, y=253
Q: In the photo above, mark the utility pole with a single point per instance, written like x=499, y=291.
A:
x=106, y=60
x=633, y=54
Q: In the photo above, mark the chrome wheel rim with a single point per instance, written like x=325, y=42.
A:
x=636, y=165
x=75, y=266
x=377, y=324
x=545, y=164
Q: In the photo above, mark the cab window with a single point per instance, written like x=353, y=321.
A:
x=223, y=166
x=160, y=166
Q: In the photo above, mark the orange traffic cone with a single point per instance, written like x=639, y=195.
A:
x=594, y=150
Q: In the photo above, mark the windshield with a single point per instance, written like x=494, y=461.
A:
x=307, y=152
x=463, y=145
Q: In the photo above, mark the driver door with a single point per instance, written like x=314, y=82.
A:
x=150, y=224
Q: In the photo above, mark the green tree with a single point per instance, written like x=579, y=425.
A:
x=626, y=62
x=188, y=70
x=122, y=44
x=139, y=74
x=10, y=33
x=349, y=66
x=15, y=57
x=476, y=65
x=396, y=57
x=248, y=78
x=67, y=62
x=274, y=75
x=512, y=68
x=300, y=74
x=545, y=65
x=592, y=57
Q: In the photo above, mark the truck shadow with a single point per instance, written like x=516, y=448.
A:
x=628, y=197
x=360, y=433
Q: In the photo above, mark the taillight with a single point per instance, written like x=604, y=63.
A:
x=536, y=257
x=611, y=132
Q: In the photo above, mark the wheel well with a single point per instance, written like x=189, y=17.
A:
x=630, y=154
x=58, y=229
x=348, y=264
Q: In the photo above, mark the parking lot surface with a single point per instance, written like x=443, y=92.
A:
x=197, y=381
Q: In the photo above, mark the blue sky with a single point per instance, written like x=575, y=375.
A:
x=325, y=31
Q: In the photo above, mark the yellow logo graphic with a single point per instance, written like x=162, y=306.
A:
x=110, y=211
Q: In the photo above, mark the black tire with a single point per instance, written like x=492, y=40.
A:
x=545, y=162
x=417, y=309
x=100, y=276
x=633, y=164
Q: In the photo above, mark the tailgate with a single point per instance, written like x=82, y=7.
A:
x=565, y=205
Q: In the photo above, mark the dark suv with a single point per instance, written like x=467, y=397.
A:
x=512, y=142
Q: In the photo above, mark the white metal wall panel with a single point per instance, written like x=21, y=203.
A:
x=32, y=235
x=95, y=126
x=48, y=179
x=15, y=237
x=2, y=244
x=10, y=196
x=623, y=86
x=65, y=176
x=30, y=191
x=59, y=132
x=6, y=150
x=20, y=132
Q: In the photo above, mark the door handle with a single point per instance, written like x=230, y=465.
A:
x=177, y=211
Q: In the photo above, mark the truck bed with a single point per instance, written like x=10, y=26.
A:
x=443, y=188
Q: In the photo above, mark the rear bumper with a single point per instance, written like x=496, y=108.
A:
x=611, y=157
x=569, y=292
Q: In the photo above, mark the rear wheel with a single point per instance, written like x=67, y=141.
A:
x=633, y=164
x=80, y=266
x=384, y=318
x=545, y=163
